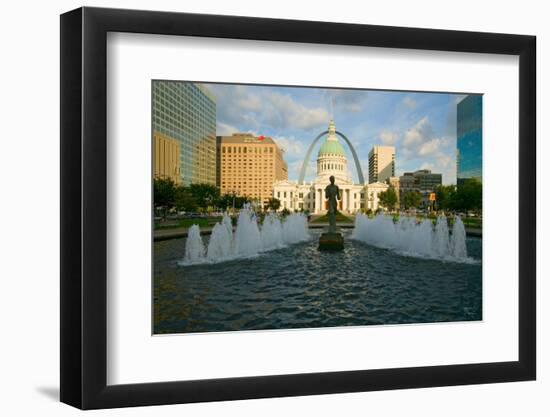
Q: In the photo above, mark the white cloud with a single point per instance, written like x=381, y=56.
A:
x=427, y=165
x=445, y=161
x=388, y=137
x=257, y=107
x=409, y=102
x=420, y=140
x=282, y=110
x=291, y=146
x=421, y=132
x=430, y=147
x=421, y=146
x=224, y=129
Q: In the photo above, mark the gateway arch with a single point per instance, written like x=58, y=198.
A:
x=310, y=150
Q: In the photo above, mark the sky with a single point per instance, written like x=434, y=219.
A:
x=421, y=126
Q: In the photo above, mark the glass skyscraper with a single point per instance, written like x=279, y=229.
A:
x=469, y=139
x=186, y=112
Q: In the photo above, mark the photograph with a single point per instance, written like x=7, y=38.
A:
x=304, y=207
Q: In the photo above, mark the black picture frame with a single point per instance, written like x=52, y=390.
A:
x=84, y=207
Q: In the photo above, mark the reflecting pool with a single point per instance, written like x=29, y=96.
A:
x=298, y=286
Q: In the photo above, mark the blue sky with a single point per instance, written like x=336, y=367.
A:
x=421, y=126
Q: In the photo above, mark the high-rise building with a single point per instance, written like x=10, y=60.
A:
x=381, y=163
x=166, y=152
x=249, y=165
x=186, y=112
x=469, y=139
x=426, y=180
x=422, y=180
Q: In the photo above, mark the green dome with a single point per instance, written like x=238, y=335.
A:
x=332, y=147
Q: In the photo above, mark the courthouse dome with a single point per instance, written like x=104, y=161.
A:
x=331, y=146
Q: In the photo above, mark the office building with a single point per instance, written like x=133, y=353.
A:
x=469, y=139
x=186, y=112
x=249, y=165
x=381, y=163
x=422, y=180
x=425, y=180
x=166, y=153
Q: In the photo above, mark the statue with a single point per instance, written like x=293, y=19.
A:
x=332, y=194
x=332, y=240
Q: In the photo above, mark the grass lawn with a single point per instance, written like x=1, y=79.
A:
x=473, y=222
x=340, y=218
x=174, y=224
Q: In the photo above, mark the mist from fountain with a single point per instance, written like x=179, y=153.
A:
x=248, y=240
x=272, y=232
x=194, y=247
x=295, y=228
x=458, y=240
x=409, y=237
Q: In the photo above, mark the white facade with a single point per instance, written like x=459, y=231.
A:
x=310, y=196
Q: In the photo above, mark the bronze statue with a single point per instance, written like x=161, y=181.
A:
x=332, y=194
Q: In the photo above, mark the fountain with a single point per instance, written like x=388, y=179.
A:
x=272, y=232
x=220, y=245
x=194, y=247
x=248, y=240
x=406, y=236
x=458, y=240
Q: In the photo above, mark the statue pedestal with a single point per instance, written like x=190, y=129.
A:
x=331, y=241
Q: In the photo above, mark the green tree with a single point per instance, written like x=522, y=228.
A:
x=412, y=199
x=184, y=200
x=273, y=204
x=228, y=201
x=469, y=196
x=164, y=190
x=388, y=198
x=206, y=195
x=445, y=196
x=225, y=201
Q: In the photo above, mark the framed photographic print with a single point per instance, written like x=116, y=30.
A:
x=257, y=208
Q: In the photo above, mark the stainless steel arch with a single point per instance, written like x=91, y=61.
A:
x=353, y=153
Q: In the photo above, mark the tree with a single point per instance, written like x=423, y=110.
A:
x=225, y=201
x=206, y=195
x=273, y=204
x=184, y=200
x=412, y=199
x=445, y=197
x=164, y=191
x=469, y=196
x=388, y=198
x=228, y=201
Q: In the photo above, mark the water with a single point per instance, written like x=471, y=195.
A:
x=249, y=239
x=409, y=237
x=298, y=286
